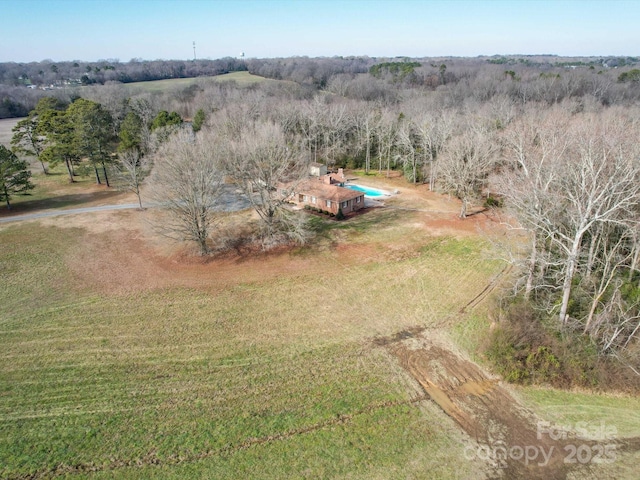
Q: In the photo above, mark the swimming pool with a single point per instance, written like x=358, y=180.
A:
x=368, y=192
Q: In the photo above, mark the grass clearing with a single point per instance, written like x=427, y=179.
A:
x=54, y=191
x=6, y=124
x=163, y=86
x=261, y=367
x=568, y=408
x=243, y=79
x=222, y=380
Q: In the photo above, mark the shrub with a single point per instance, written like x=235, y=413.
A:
x=521, y=349
x=526, y=347
x=492, y=201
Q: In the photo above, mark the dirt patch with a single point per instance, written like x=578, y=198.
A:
x=450, y=224
x=440, y=213
x=120, y=253
x=504, y=435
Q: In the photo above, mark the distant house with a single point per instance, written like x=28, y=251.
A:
x=325, y=193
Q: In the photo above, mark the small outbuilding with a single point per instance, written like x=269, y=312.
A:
x=317, y=169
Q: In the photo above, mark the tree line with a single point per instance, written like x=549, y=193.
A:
x=612, y=80
x=84, y=137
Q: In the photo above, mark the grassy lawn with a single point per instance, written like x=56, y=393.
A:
x=6, y=124
x=54, y=191
x=608, y=419
x=264, y=376
x=620, y=413
x=181, y=382
x=161, y=86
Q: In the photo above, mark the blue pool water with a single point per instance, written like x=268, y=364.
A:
x=369, y=192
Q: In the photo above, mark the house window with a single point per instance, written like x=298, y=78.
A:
x=313, y=199
x=345, y=204
x=358, y=199
x=329, y=203
x=306, y=198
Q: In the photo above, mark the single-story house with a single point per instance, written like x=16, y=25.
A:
x=325, y=194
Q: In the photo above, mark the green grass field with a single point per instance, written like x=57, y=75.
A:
x=620, y=413
x=264, y=379
x=262, y=376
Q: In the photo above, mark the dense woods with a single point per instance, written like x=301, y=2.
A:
x=542, y=78
x=550, y=143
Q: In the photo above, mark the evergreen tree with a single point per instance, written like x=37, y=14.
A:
x=131, y=133
x=14, y=175
x=92, y=133
x=198, y=121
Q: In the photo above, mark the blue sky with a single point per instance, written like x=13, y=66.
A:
x=34, y=30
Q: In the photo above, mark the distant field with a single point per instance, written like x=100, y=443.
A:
x=6, y=124
x=157, y=86
x=242, y=78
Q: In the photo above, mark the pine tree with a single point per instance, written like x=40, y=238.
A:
x=14, y=175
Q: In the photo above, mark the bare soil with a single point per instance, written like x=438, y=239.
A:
x=122, y=252
x=503, y=434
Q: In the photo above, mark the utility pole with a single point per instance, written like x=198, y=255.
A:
x=194, y=51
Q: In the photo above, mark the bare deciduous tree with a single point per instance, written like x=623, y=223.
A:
x=433, y=133
x=598, y=184
x=366, y=120
x=533, y=148
x=260, y=160
x=132, y=168
x=187, y=183
x=407, y=150
x=465, y=164
x=574, y=183
x=386, y=132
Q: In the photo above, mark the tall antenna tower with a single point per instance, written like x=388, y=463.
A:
x=194, y=51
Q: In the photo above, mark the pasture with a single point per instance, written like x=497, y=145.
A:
x=6, y=124
x=242, y=79
x=122, y=357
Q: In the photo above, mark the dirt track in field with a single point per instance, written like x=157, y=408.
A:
x=504, y=437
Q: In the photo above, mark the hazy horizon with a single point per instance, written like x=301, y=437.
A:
x=68, y=30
